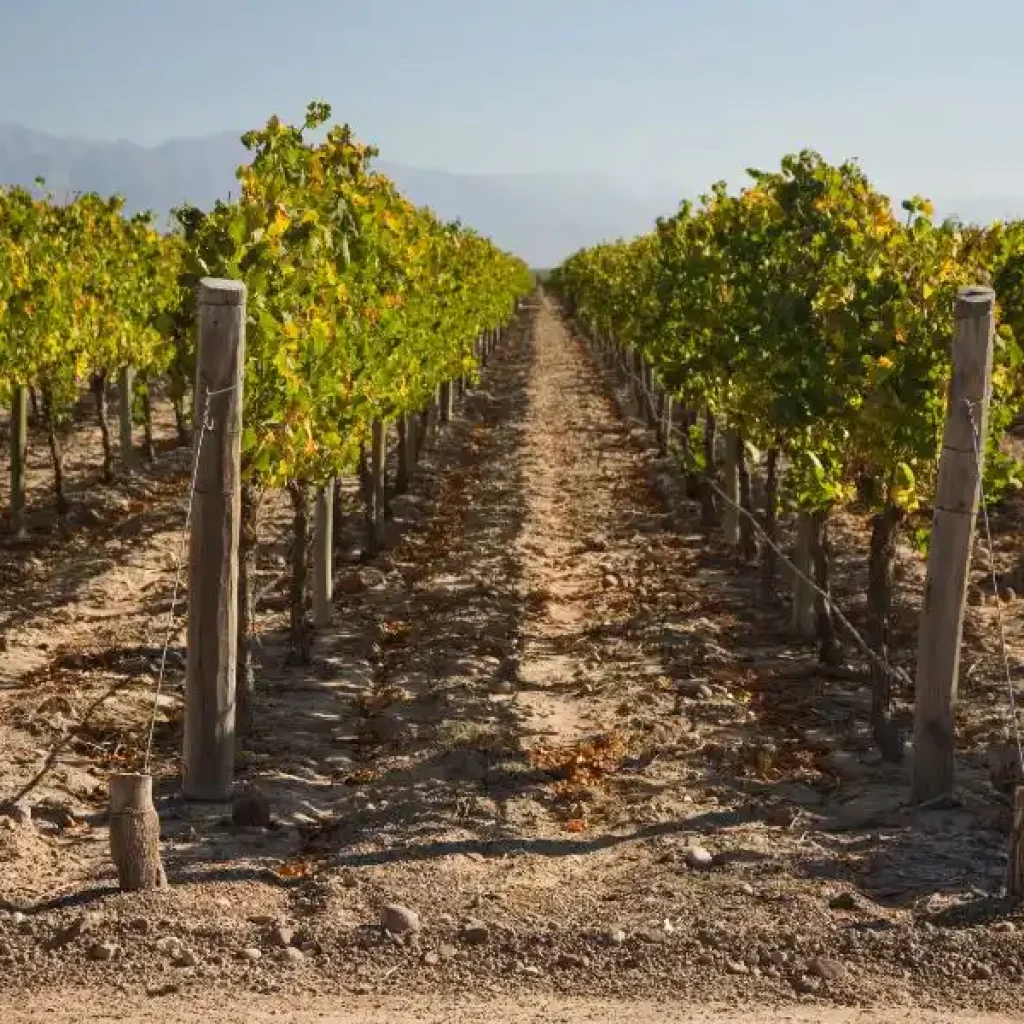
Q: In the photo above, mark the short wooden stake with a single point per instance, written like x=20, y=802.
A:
x=323, y=549
x=957, y=495
x=135, y=833
x=126, y=389
x=208, y=764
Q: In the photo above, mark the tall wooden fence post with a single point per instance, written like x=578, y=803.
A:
x=956, y=507
x=213, y=552
x=323, y=561
x=126, y=390
x=19, y=454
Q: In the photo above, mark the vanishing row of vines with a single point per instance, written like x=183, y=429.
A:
x=808, y=322
x=360, y=306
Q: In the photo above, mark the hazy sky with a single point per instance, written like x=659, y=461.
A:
x=927, y=93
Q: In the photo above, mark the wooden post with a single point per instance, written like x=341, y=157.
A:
x=1015, y=873
x=730, y=511
x=19, y=455
x=957, y=494
x=135, y=833
x=126, y=387
x=213, y=549
x=323, y=549
x=406, y=452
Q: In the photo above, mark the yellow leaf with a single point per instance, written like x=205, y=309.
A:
x=885, y=362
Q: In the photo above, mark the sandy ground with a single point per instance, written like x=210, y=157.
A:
x=553, y=718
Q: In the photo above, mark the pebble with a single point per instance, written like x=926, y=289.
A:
x=699, y=858
x=747, y=889
x=503, y=687
x=17, y=917
x=475, y=933
x=805, y=985
x=282, y=935
x=185, y=958
x=431, y=959
x=573, y=961
x=667, y=926
x=294, y=955
x=616, y=936
x=252, y=953
x=735, y=967
x=399, y=920
x=447, y=952
x=103, y=951
x=826, y=969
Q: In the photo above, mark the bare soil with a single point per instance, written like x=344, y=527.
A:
x=553, y=718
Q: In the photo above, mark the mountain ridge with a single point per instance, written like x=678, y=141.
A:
x=542, y=217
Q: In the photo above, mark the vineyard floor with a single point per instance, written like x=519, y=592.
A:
x=729, y=837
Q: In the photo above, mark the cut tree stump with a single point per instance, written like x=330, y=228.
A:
x=135, y=833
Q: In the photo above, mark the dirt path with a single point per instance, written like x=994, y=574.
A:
x=74, y=1007
x=551, y=718
x=575, y=546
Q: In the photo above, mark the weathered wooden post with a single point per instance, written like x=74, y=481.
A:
x=957, y=494
x=406, y=452
x=323, y=561
x=213, y=547
x=19, y=455
x=126, y=389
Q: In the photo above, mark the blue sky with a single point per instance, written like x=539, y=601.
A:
x=666, y=94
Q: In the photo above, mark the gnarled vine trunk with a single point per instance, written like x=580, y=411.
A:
x=245, y=669
x=56, y=453
x=99, y=391
x=881, y=560
x=748, y=537
x=299, y=631
x=821, y=554
x=708, y=511
x=771, y=525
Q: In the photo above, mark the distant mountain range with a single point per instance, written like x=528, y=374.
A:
x=541, y=217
